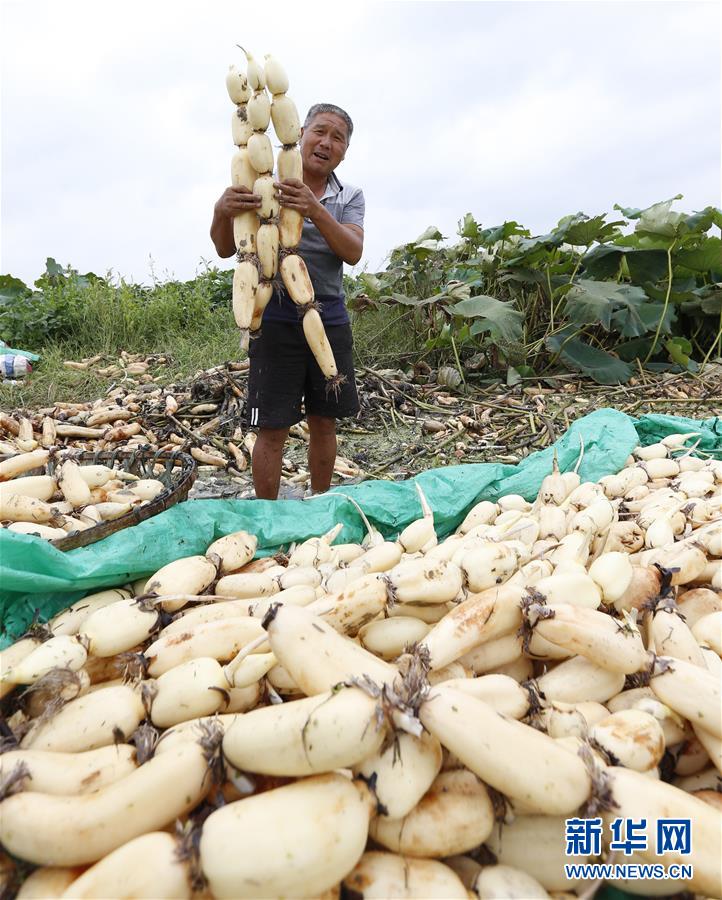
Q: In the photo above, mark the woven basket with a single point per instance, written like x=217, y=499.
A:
x=176, y=470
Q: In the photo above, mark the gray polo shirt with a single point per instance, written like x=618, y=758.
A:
x=346, y=204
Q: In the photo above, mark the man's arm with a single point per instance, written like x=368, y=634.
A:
x=345, y=239
x=222, y=234
x=233, y=200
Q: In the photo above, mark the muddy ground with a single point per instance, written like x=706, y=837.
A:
x=408, y=423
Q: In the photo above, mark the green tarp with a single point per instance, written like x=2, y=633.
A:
x=11, y=351
x=37, y=579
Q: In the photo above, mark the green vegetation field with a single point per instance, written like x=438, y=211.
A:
x=606, y=297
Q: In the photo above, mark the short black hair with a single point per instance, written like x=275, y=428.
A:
x=330, y=108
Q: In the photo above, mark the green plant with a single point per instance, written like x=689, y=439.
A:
x=599, y=297
x=586, y=295
x=91, y=314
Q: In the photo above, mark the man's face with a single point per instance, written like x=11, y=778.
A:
x=323, y=144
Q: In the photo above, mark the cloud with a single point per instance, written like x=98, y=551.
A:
x=116, y=136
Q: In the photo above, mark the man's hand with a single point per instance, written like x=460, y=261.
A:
x=232, y=202
x=235, y=200
x=346, y=240
x=294, y=194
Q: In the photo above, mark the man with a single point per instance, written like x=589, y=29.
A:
x=283, y=371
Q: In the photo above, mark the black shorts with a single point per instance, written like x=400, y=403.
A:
x=283, y=374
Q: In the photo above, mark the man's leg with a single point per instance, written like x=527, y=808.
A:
x=321, y=451
x=275, y=387
x=323, y=407
x=267, y=460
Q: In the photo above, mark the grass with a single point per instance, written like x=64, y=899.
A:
x=381, y=336
x=90, y=315
x=143, y=323
x=51, y=381
x=191, y=323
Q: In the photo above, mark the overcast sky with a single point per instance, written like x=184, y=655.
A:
x=116, y=121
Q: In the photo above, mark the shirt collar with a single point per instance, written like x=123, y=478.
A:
x=333, y=187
